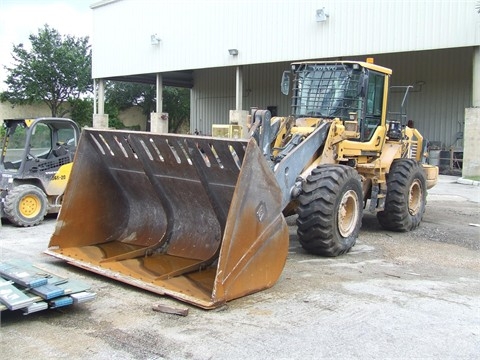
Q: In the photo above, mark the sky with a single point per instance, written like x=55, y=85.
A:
x=20, y=18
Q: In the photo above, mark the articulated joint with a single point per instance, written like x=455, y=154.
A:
x=296, y=188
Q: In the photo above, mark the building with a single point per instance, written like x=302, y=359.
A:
x=232, y=54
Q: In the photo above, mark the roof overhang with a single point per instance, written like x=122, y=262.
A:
x=174, y=78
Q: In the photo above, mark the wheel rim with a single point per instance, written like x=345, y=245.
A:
x=415, y=196
x=348, y=213
x=29, y=206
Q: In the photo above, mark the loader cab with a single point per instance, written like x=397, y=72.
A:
x=35, y=161
x=31, y=146
x=354, y=92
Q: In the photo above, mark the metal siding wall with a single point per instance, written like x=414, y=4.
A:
x=211, y=98
x=198, y=34
x=437, y=108
x=262, y=87
x=213, y=95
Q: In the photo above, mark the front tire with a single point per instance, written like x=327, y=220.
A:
x=406, y=196
x=26, y=205
x=330, y=210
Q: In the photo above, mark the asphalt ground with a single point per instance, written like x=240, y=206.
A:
x=394, y=296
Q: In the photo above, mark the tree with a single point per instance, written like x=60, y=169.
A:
x=125, y=95
x=55, y=71
x=176, y=101
x=82, y=110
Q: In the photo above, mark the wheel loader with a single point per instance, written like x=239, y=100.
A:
x=202, y=219
x=35, y=165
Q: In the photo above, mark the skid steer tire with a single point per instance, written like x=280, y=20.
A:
x=330, y=210
x=26, y=205
x=406, y=196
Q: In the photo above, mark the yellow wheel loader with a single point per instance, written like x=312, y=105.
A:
x=201, y=219
x=35, y=164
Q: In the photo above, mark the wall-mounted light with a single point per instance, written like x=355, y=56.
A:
x=154, y=39
x=233, y=52
x=321, y=15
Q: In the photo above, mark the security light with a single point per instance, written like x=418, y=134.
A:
x=154, y=39
x=321, y=15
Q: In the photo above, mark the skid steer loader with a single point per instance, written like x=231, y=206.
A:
x=35, y=164
x=202, y=219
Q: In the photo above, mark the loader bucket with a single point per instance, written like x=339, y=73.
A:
x=195, y=218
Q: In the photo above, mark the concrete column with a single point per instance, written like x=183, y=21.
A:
x=239, y=89
x=471, y=150
x=159, y=93
x=94, y=96
x=159, y=123
x=100, y=120
x=240, y=117
x=101, y=96
x=476, y=78
x=159, y=119
x=471, y=133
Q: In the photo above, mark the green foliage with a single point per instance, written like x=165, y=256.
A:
x=176, y=101
x=125, y=95
x=82, y=110
x=113, y=111
x=56, y=69
x=17, y=139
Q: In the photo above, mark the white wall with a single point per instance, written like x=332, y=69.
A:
x=130, y=117
x=421, y=40
x=133, y=116
x=197, y=34
x=9, y=111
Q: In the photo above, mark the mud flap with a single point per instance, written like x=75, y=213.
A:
x=195, y=218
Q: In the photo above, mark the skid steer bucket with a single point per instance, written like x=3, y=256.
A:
x=195, y=218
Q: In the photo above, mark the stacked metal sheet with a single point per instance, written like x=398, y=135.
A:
x=30, y=288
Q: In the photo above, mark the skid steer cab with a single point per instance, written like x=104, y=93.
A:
x=35, y=164
x=207, y=225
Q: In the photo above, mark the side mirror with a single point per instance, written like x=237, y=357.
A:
x=285, y=85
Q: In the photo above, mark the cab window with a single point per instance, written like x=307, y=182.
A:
x=374, y=103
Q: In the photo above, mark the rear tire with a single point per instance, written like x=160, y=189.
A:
x=26, y=205
x=406, y=196
x=330, y=210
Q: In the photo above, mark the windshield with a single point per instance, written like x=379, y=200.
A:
x=327, y=90
x=40, y=144
x=14, y=146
